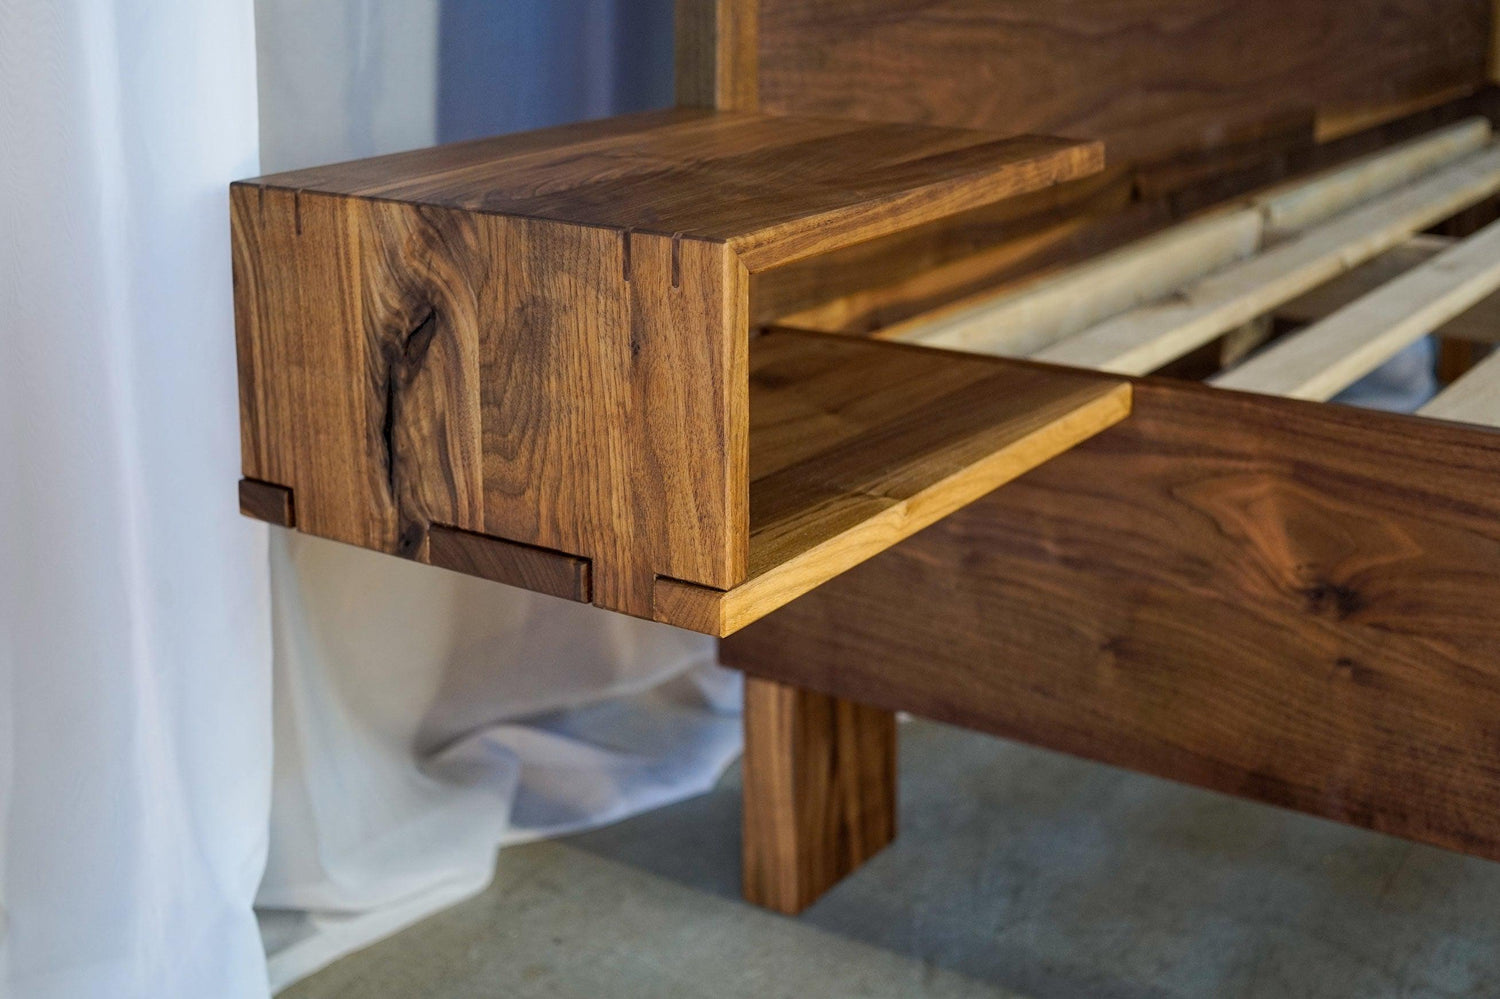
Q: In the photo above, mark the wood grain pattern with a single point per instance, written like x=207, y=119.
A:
x=878, y=282
x=775, y=189
x=1320, y=361
x=405, y=365
x=855, y=445
x=1021, y=321
x=819, y=791
x=1146, y=76
x=1287, y=601
x=268, y=502
x=554, y=573
x=1297, y=204
x=543, y=338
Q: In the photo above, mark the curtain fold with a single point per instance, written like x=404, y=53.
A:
x=134, y=614
x=425, y=718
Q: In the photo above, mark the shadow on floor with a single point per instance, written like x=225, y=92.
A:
x=1016, y=872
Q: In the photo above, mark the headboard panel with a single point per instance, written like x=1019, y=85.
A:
x=1149, y=77
x=1197, y=101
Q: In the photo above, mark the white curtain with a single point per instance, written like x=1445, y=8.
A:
x=423, y=718
x=135, y=735
x=420, y=718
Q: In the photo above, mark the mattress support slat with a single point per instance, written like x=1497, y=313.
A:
x=1142, y=340
x=1323, y=359
x=1025, y=321
x=1473, y=398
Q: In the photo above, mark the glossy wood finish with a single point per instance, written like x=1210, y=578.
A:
x=543, y=338
x=1327, y=357
x=1286, y=601
x=772, y=189
x=857, y=444
x=406, y=365
x=898, y=278
x=819, y=790
x=1473, y=398
x=1480, y=324
x=1146, y=76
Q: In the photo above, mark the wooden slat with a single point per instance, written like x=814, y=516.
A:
x=819, y=788
x=1149, y=77
x=1331, y=296
x=1473, y=398
x=857, y=444
x=879, y=283
x=1327, y=357
x=716, y=54
x=884, y=283
x=1145, y=338
x=774, y=189
x=1294, y=206
x=1283, y=600
x=1022, y=322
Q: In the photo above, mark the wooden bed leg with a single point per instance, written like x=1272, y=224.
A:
x=820, y=791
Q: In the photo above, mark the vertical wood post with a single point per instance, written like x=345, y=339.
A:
x=820, y=791
x=717, y=54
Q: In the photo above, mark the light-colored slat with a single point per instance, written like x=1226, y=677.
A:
x=1336, y=121
x=1024, y=321
x=1017, y=324
x=1474, y=398
x=1306, y=202
x=1143, y=339
x=1326, y=299
x=1328, y=356
x=1481, y=324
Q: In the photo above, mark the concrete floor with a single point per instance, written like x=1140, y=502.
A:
x=1017, y=873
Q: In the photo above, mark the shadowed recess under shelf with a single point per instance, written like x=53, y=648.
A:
x=857, y=444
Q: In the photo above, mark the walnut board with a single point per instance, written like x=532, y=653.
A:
x=1283, y=600
x=542, y=338
x=1196, y=100
x=1150, y=78
x=773, y=189
x=856, y=444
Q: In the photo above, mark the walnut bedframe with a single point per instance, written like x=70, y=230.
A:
x=965, y=358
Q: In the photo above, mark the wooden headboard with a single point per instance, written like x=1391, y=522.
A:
x=1149, y=77
x=1196, y=101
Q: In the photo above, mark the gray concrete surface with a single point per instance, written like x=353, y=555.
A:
x=1017, y=873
